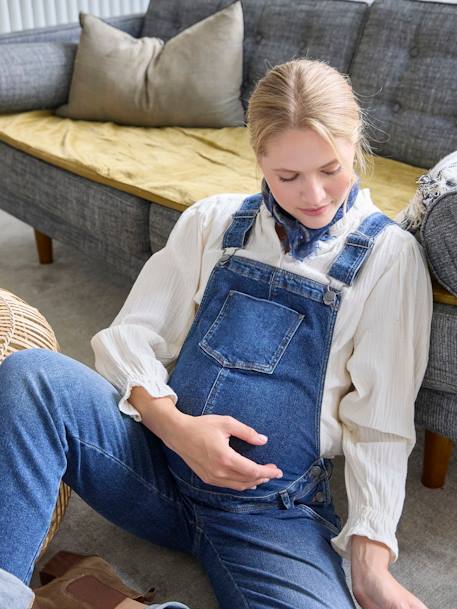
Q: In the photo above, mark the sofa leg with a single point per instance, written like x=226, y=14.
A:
x=44, y=247
x=437, y=452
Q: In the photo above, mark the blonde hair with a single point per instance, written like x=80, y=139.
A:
x=308, y=93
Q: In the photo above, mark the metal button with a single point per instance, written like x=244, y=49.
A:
x=329, y=297
x=316, y=471
x=319, y=497
x=413, y=52
x=396, y=107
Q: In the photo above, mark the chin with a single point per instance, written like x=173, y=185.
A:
x=315, y=224
x=317, y=221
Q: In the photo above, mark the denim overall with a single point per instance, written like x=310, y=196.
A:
x=258, y=350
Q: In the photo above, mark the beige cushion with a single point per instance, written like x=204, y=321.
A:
x=193, y=80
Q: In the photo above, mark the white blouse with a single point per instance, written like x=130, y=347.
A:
x=377, y=359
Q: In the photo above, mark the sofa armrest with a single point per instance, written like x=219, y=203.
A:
x=36, y=66
x=35, y=75
x=132, y=24
x=437, y=235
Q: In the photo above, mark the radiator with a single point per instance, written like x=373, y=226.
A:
x=26, y=14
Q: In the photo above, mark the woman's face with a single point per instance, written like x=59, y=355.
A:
x=305, y=177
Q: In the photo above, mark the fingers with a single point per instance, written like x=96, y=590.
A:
x=243, y=465
x=230, y=473
x=238, y=472
x=246, y=469
x=229, y=468
x=244, y=432
x=241, y=486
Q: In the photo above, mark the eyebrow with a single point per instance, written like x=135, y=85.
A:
x=322, y=167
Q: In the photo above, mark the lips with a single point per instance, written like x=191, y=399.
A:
x=316, y=210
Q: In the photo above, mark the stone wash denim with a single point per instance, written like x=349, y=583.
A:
x=257, y=350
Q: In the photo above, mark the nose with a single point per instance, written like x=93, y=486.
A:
x=312, y=192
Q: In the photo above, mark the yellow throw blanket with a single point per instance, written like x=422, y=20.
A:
x=176, y=166
x=173, y=166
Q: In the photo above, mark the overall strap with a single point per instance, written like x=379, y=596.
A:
x=243, y=220
x=358, y=247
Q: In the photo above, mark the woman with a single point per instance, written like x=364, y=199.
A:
x=310, y=340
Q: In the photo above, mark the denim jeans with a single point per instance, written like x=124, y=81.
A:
x=60, y=421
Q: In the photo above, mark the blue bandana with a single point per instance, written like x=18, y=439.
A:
x=302, y=240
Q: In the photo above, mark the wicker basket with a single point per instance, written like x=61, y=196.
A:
x=23, y=327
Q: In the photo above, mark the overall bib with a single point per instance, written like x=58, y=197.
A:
x=258, y=350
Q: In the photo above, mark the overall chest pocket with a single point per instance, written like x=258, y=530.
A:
x=250, y=333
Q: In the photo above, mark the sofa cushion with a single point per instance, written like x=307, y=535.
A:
x=145, y=82
x=407, y=79
x=274, y=31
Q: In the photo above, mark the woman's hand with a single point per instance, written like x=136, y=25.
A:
x=373, y=585
x=203, y=443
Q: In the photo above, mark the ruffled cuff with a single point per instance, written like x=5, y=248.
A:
x=371, y=524
x=157, y=389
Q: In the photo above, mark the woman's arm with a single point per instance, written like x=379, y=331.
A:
x=386, y=367
x=148, y=332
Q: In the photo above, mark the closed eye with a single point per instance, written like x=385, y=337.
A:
x=328, y=173
x=288, y=179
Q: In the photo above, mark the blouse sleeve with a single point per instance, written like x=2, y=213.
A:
x=150, y=328
x=387, y=367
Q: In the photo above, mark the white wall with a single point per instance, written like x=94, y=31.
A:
x=25, y=14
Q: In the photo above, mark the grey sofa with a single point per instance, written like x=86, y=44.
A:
x=401, y=56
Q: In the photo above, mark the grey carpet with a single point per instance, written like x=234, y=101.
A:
x=79, y=296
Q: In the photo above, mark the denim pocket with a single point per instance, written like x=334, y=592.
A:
x=335, y=524
x=250, y=333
